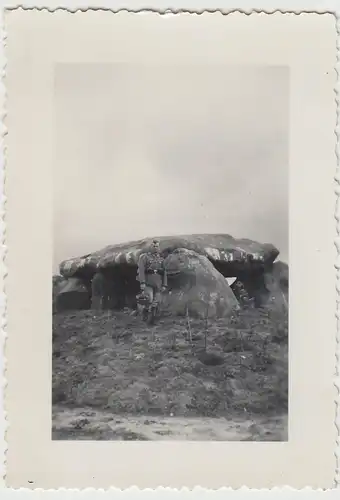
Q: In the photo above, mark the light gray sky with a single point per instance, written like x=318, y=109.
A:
x=145, y=151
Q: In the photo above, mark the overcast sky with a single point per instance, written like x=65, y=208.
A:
x=145, y=151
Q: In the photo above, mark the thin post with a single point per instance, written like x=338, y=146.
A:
x=188, y=322
x=206, y=327
x=173, y=341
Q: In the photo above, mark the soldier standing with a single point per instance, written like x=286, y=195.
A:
x=152, y=274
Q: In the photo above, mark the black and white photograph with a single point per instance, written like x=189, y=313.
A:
x=170, y=265
x=170, y=225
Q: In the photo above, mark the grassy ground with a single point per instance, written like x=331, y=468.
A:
x=116, y=378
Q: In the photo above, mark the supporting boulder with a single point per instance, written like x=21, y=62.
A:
x=72, y=295
x=114, y=288
x=98, y=291
x=277, y=284
x=196, y=287
x=57, y=283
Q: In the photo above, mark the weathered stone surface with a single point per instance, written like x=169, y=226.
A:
x=196, y=287
x=57, y=283
x=98, y=292
x=281, y=272
x=222, y=249
x=198, y=265
x=277, y=283
x=73, y=294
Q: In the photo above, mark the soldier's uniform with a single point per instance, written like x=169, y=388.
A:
x=152, y=273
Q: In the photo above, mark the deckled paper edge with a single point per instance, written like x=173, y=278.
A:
x=223, y=6
x=3, y=249
x=337, y=243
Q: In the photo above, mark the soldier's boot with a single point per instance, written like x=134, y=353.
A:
x=153, y=312
x=145, y=313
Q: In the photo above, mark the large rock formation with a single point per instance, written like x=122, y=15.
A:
x=198, y=266
x=229, y=255
x=196, y=287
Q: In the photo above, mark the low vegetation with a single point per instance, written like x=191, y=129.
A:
x=234, y=368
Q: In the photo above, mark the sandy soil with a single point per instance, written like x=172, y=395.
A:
x=69, y=424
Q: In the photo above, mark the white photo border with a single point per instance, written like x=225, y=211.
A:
x=337, y=239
